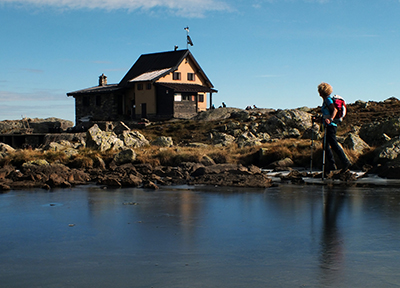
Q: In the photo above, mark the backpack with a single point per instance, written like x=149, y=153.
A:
x=340, y=105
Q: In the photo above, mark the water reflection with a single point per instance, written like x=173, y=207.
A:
x=332, y=246
x=288, y=236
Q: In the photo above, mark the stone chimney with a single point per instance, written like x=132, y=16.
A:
x=103, y=80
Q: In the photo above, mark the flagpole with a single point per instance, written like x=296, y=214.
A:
x=187, y=35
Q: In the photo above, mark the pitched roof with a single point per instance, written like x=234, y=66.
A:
x=149, y=76
x=157, y=65
x=96, y=89
x=179, y=87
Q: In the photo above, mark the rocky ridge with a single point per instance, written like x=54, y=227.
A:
x=370, y=134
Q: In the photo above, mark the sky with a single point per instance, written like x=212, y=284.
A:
x=268, y=53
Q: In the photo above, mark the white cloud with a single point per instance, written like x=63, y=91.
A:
x=187, y=7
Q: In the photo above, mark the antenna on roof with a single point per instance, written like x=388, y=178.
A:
x=188, y=40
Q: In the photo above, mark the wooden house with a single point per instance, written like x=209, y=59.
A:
x=158, y=86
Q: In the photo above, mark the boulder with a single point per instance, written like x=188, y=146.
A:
x=131, y=181
x=207, y=160
x=375, y=134
x=216, y=114
x=150, y=185
x=283, y=163
x=98, y=162
x=125, y=156
x=62, y=146
x=6, y=149
x=101, y=140
x=76, y=140
x=222, y=139
x=247, y=139
x=242, y=115
x=355, y=143
x=230, y=175
x=286, y=124
x=163, y=141
x=133, y=139
x=36, y=125
x=312, y=133
x=387, y=152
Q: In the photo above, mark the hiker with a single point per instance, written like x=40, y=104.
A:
x=329, y=112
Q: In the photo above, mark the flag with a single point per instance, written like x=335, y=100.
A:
x=189, y=41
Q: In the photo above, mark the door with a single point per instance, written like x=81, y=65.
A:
x=144, y=110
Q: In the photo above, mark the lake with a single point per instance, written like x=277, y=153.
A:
x=286, y=236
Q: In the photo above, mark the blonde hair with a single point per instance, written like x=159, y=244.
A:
x=324, y=89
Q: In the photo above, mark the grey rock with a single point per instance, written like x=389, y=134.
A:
x=387, y=152
x=125, y=156
x=354, y=142
x=375, y=134
x=163, y=141
x=207, y=160
x=222, y=139
x=5, y=148
x=101, y=140
x=133, y=139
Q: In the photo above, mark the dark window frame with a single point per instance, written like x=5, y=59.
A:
x=191, y=76
x=176, y=76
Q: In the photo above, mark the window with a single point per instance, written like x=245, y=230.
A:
x=178, y=97
x=176, y=76
x=190, y=76
x=201, y=97
x=139, y=86
x=186, y=97
x=148, y=86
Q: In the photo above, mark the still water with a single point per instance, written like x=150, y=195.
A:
x=287, y=236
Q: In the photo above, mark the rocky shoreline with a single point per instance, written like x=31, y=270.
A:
x=373, y=146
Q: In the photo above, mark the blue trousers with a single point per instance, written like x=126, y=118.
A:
x=332, y=144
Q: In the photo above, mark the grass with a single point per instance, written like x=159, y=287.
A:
x=299, y=150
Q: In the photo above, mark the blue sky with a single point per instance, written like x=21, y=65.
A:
x=271, y=53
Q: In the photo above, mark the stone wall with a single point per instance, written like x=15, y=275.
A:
x=185, y=109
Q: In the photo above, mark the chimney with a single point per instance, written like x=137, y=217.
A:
x=103, y=80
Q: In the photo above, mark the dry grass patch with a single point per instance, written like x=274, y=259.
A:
x=55, y=157
x=19, y=157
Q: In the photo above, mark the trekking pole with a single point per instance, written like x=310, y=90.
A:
x=312, y=146
x=323, y=155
